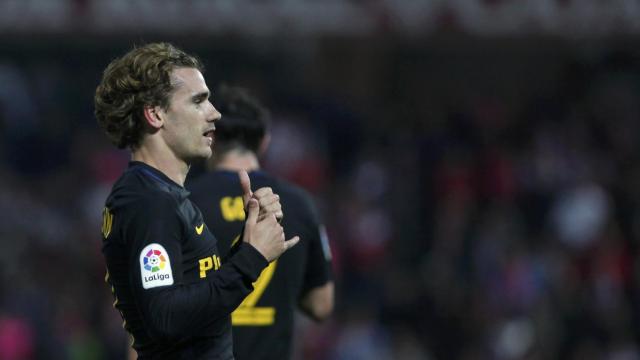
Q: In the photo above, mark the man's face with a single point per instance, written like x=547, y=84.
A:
x=189, y=120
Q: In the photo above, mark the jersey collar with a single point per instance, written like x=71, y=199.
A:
x=155, y=174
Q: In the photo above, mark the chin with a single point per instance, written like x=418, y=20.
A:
x=200, y=155
x=207, y=153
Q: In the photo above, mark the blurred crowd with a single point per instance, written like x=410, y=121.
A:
x=286, y=18
x=482, y=202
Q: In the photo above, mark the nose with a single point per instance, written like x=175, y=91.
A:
x=215, y=114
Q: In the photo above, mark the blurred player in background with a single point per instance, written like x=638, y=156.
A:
x=163, y=264
x=263, y=323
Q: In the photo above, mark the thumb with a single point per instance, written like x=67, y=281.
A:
x=245, y=182
x=252, y=218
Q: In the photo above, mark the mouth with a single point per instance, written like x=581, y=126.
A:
x=210, y=135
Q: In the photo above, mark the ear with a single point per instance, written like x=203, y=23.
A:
x=153, y=117
x=264, y=144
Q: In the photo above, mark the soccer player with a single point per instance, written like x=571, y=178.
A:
x=263, y=323
x=163, y=264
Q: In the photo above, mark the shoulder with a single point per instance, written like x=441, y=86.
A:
x=216, y=181
x=133, y=192
x=294, y=191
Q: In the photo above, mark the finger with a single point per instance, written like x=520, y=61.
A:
x=276, y=211
x=252, y=217
x=263, y=191
x=291, y=242
x=245, y=183
x=267, y=200
x=272, y=209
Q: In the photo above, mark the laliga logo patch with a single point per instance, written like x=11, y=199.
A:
x=155, y=267
x=154, y=261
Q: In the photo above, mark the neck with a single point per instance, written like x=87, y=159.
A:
x=174, y=168
x=235, y=160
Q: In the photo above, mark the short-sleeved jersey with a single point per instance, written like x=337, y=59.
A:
x=165, y=270
x=263, y=323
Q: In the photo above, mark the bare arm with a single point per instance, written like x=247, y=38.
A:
x=318, y=302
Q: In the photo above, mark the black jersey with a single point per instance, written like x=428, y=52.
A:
x=164, y=267
x=263, y=323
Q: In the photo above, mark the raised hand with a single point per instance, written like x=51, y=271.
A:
x=266, y=235
x=268, y=201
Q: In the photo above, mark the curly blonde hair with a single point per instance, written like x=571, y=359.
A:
x=139, y=78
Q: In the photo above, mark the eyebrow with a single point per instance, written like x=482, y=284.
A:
x=200, y=96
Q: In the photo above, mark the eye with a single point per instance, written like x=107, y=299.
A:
x=200, y=98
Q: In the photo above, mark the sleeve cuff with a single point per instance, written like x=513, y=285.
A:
x=249, y=261
x=317, y=281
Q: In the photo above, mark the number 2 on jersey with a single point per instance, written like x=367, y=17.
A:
x=248, y=314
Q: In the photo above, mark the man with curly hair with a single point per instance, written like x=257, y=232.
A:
x=170, y=285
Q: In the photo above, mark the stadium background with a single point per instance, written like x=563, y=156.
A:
x=476, y=162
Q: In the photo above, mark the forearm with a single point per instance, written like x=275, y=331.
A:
x=318, y=302
x=182, y=310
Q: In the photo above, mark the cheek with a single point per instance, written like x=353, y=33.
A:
x=186, y=125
